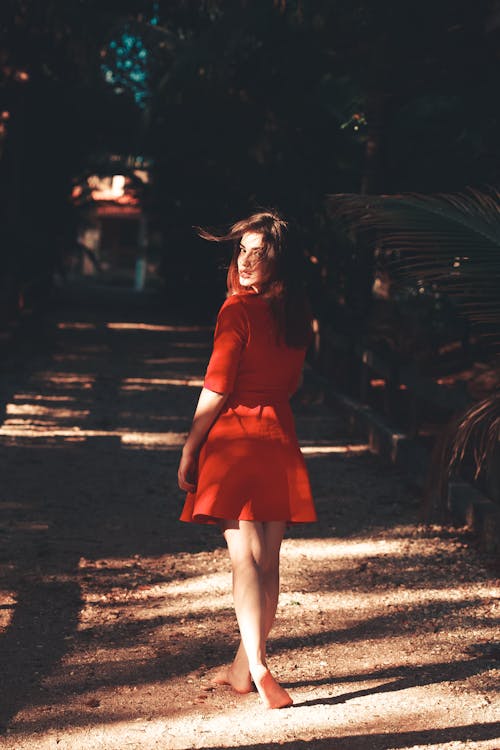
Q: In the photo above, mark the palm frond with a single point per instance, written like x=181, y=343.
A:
x=450, y=241
x=478, y=427
x=471, y=438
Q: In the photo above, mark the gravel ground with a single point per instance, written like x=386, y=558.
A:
x=113, y=615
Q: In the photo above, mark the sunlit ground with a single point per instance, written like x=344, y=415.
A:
x=383, y=627
x=359, y=662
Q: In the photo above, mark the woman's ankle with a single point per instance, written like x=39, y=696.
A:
x=258, y=668
x=270, y=691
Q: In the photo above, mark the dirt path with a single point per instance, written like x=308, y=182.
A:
x=113, y=614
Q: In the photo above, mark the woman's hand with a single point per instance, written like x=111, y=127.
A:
x=186, y=474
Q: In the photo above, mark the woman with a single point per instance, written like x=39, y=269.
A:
x=241, y=464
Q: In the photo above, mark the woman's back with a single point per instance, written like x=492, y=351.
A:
x=267, y=368
x=256, y=365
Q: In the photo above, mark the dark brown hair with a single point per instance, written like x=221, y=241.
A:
x=283, y=289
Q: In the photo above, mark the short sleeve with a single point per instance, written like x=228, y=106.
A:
x=231, y=333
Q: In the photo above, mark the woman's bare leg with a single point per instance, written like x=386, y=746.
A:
x=238, y=674
x=254, y=551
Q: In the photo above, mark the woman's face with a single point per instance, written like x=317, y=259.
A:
x=253, y=268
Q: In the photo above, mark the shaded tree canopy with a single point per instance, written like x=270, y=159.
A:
x=247, y=104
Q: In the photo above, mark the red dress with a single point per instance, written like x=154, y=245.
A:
x=250, y=465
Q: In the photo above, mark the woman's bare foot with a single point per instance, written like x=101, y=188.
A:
x=271, y=693
x=228, y=676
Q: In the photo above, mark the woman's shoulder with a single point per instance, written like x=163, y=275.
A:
x=232, y=303
x=233, y=313
x=239, y=300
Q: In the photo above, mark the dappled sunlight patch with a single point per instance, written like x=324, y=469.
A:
x=103, y=717
x=33, y=526
x=145, y=384
x=29, y=428
x=333, y=549
x=70, y=357
x=71, y=326
x=66, y=380
x=375, y=601
x=209, y=592
x=155, y=327
x=174, y=360
x=317, y=450
x=146, y=440
x=154, y=417
x=33, y=441
x=48, y=411
x=10, y=426
x=74, y=438
x=206, y=585
x=43, y=397
x=91, y=724
x=7, y=607
x=15, y=505
x=184, y=590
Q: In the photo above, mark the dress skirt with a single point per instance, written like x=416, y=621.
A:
x=251, y=469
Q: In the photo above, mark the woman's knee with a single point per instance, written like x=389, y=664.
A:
x=255, y=544
x=269, y=566
x=246, y=555
x=245, y=564
x=245, y=541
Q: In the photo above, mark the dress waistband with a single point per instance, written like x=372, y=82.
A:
x=258, y=398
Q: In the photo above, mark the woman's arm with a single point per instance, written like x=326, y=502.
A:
x=209, y=405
